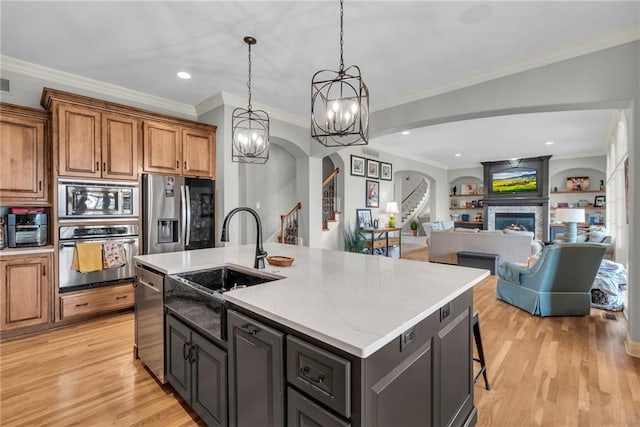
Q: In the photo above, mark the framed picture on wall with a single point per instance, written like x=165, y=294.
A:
x=386, y=171
x=357, y=165
x=372, y=196
x=599, y=202
x=373, y=169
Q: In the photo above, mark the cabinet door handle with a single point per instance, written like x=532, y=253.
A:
x=177, y=164
x=40, y=185
x=186, y=350
x=193, y=353
x=252, y=330
x=44, y=270
x=122, y=297
x=305, y=371
x=82, y=305
x=98, y=166
x=185, y=165
x=104, y=166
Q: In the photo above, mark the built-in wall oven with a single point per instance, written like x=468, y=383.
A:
x=71, y=279
x=97, y=199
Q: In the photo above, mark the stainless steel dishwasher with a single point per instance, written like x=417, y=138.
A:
x=149, y=320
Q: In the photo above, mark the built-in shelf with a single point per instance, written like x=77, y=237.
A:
x=588, y=208
x=578, y=192
x=466, y=209
x=465, y=195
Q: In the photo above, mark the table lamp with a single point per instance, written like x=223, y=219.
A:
x=392, y=208
x=570, y=218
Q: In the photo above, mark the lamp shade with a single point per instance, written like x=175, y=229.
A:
x=392, y=208
x=570, y=215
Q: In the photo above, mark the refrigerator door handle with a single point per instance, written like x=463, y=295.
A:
x=183, y=216
x=187, y=232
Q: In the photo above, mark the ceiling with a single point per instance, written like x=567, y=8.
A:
x=405, y=49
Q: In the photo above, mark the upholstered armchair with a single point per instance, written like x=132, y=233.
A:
x=558, y=284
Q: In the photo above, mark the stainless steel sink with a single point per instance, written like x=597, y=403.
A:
x=226, y=278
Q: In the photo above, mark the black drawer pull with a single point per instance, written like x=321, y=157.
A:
x=306, y=373
x=83, y=304
x=121, y=297
x=252, y=330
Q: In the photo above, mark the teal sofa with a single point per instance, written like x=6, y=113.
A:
x=558, y=284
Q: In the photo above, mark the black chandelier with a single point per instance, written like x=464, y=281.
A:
x=340, y=103
x=250, y=137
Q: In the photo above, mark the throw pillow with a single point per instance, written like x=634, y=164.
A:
x=466, y=230
x=526, y=233
x=597, y=236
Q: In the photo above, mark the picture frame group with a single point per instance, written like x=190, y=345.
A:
x=369, y=168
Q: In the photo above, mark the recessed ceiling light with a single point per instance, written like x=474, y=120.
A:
x=458, y=155
x=405, y=132
x=184, y=75
x=549, y=143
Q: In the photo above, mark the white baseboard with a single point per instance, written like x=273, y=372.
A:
x=632, y=347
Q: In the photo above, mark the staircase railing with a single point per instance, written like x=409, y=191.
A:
x=289, y=226
x=329, y=198
x=413, y=199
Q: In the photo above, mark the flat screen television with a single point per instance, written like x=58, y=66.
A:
x=516, y=180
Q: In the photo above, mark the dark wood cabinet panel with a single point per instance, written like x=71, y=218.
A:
x=197, y=370
x=256, y=383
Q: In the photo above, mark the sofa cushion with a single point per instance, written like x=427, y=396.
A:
x=597, y=236
x=466, y=230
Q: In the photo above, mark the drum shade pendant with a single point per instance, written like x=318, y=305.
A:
x=250, y=143
x=340, y=103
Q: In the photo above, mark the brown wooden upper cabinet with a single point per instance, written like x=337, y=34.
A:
x=24, y=161
x=173, y=149
x=96, y=144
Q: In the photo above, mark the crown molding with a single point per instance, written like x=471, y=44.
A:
x=36, y=71
x=408, y=156
x=226, y=98
x=617, y=38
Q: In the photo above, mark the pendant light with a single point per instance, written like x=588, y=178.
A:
x=340, y=103
x=250, y=128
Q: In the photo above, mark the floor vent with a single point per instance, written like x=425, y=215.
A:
x=609, y=316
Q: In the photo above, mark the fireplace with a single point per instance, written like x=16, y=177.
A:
x=515, y=221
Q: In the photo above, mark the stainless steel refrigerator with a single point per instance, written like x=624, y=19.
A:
x=178, y=213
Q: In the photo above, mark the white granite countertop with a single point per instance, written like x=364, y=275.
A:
x=357, y=303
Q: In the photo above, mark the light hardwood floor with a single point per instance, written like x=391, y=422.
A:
x=563, y=371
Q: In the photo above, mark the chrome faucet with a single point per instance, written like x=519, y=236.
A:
x=261, y=254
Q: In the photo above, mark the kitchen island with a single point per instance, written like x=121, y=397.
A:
x=352, y=339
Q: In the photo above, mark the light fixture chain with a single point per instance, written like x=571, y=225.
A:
x=341, y=35
x=249, y=82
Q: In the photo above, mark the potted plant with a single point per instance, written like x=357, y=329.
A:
x=414, y=227
x=353, y=240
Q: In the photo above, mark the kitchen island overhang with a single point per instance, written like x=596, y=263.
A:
x=357, y=303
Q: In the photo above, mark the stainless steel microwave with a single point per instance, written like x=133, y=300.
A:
x=97, y=199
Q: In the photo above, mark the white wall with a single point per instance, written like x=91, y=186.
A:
x=270, y=189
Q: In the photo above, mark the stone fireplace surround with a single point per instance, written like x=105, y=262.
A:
x=536, y=210
x=536, y=203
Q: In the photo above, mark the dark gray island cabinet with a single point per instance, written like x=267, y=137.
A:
x=423, y=378
x=197, y=370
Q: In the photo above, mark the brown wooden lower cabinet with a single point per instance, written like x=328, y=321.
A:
x=94, y=301
x=25, y=297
